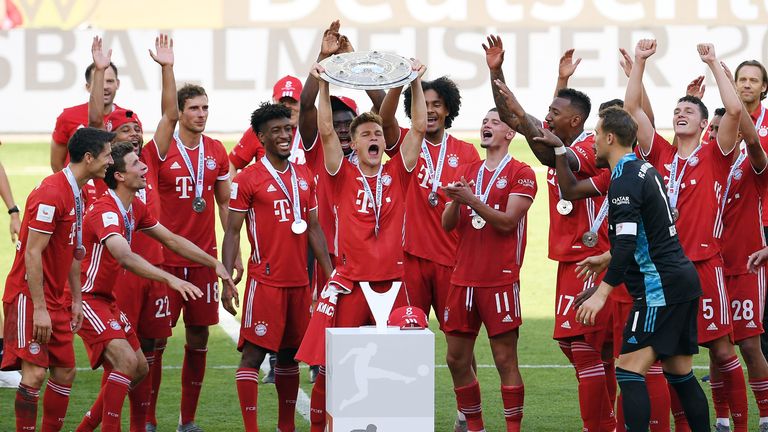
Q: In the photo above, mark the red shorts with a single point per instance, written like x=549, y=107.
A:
x=58, y=352
x=103, y=322
x=340, y=304
x=274, y=318
x=568, y=287
x=747, y=295
x=428, y=283
x=498, y=308
x=146, y=304
x=199, y=312
x=714, y=311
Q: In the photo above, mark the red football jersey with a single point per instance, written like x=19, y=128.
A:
x=50, y=209
x=742, y=225
x=70, y=120
x=177, y=189
x=278, y=256
x=565, y=231
x=247, y=149
x=760, y=119
x=362, y=255
x=99, y=270
x=701, y=191
x=501, y=265
x=424, y=233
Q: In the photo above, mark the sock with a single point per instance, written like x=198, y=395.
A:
x=115, y=392
x=681, y=423
x=634, y=395
x=287, y=386
x=693, y=400
x=736, y=391
x=92, y=418
x=139, y=396
x=620, y=415
x=26, y=407
x=512, y=397
x=658, y=392
x=247, y=380
x=610, y=380
x=760, y=389
x=719, y=398
x=317, y=403
x=55, y=403
x=468, y=400
x=593, y=394
x=192, y=373
x=156, y=373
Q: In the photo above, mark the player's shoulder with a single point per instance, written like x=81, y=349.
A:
x=213, y=143
x=74, y=111
x=251, y=172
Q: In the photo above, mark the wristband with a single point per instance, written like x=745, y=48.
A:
x=14, y=209
x=560, y=150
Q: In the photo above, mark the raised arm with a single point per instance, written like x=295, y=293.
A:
x=307, y=110
x=633, y=98
x=565, y=70
x=168, y=105
x=626, y=66
x=331, y=146
x=411, y=147
x=96, y=101
x=494, y=58
x=570, y=187
x=388, y=113
x=729, y=125
x=755, y=151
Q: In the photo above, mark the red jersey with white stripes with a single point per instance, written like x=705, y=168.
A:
x=760, y=119
x=70, y=120
x=177, y=189
x=742, y=219
x=50, y=209
x=99, y=270
x=424, y=233
x=505, y=252
x=700, y=224
x=566, y=230
x=278, y=256
x=363, y=254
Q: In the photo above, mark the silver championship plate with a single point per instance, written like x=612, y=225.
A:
x=564, y=207
x=371, y=70
x=198, y=204
x=589, y=239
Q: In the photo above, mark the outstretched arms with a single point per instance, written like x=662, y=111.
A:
x=729, y=125
x=411, y=147
x=633, y=98
x=169, y=107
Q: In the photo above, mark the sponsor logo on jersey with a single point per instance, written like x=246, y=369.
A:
x=751, y=324
x=643, y=168
x=303, y=184
x=507, y=319
x=175, y=165
x=45, y=213
x=632, y=340
x=109, y=218
x=712, y=327
x=529, y=183
x=622, y=200
x=502, y=183
x=210, y=164
x=386, y=179
x=566, y=325
x=271, y=188
x=260, y=328
x=453, y=160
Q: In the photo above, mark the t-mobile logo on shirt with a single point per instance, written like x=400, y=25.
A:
x=363, y=202
x=184, y=187
x=282, y=209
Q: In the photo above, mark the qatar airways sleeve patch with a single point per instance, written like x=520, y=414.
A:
x=110, y=218
x=45, y=213
x=233, y=191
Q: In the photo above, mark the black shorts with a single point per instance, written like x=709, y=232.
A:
x=670, y=330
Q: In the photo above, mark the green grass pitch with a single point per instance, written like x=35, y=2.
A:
x=551, y=402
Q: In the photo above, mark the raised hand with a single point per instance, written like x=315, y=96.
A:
x=316, y=70
x=345, y=46
x=101, y=59
x=417, y=66
x=625, y=62
x=567, y=64
x=706, y=52
x=330, y=44
x=494, y=52
x=548, y=138
x=696, y=87
x=164, y=49
x=728, y=72
x=509, y=99
x=645, y=48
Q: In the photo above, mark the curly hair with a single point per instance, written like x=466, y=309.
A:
x=447, y=90
x=268, y=111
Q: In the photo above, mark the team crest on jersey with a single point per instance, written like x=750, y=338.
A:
x=445, y=315
x=109, y=125
x=386, y=179
x=694, y=160
x=763, y=132
x=114, y=325
x=303, y=184
x=453, y=160
x=260, y=328
x=737, y=174
x=210, y=164
x=34, y=348
x=501, y=183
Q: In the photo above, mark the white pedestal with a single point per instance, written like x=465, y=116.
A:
x=380, y=380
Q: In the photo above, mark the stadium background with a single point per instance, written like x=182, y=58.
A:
x=238, y=48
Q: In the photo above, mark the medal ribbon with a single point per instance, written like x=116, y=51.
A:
x=760, y=119
x=198, y=179
x=435, y=174
x=297, y=153
x=129, y=222
x=479, y=181
x=292, y=198
x=673, y=186
x=78, y=205
x=377, y=199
